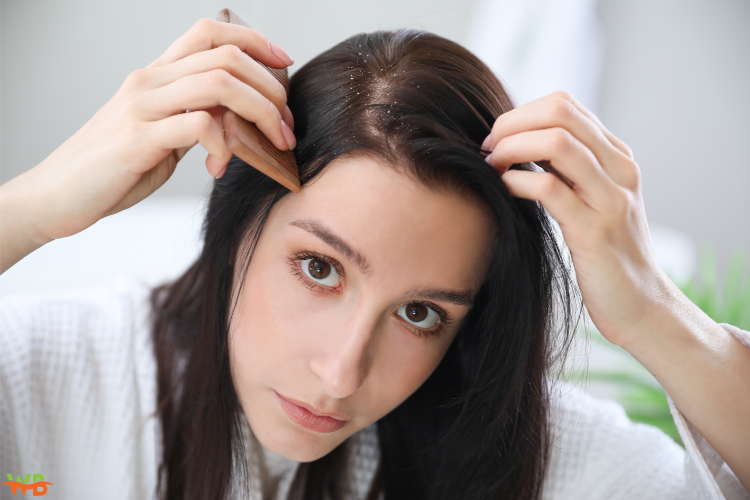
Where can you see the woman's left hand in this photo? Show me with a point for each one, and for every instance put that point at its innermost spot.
(632, 302)
(601, 215)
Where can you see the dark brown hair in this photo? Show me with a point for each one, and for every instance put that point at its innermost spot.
(477, 428)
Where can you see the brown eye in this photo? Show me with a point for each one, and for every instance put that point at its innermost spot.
(418, 314)
(319, 269)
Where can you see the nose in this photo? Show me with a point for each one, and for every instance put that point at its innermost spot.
(343, 362)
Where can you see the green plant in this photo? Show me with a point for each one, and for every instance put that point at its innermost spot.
(643, 399)
(727, 304)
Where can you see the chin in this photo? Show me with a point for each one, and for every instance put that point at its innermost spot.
(295, 444)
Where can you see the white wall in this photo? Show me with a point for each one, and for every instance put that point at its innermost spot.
(676, 88)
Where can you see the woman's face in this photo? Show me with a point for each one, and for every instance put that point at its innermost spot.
(356, 289)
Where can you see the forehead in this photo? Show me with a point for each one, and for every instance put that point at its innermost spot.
(401, 227)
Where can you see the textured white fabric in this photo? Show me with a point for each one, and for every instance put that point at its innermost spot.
(78, 394)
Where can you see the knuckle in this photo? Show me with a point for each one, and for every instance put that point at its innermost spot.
(258, 38)
(232, 54)
(620, 202)
(631, 174)
(560, 140)
(278, 94)
(204, 26)
(271, 113)
(563, 94)
(550, 186)
(561, 110)
(137, 78)
(500, 122)
(499, 125)
(201, 121)
(218, 78)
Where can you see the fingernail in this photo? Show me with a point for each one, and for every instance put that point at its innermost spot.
(288, 135)
(281, 54)
(487, 158)
(486, 143)
(288, 118)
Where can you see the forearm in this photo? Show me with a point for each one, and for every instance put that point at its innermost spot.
(706, 371)
(601, 214)
(18, 235)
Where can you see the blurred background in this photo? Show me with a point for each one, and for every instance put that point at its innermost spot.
(669, 77)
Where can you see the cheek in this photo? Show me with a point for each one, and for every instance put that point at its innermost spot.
(264, 325)
(278, 324)
(402, 366)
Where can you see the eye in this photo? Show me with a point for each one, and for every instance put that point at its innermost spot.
(320, 271)
(420, 315)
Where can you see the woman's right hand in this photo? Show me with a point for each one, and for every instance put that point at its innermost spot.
(132, 145)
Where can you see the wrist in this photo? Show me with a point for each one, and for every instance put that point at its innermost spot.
(673, 329)
(19, 234)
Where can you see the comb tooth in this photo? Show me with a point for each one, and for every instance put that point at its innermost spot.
(248, 143)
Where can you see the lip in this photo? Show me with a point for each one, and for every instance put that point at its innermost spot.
(308, 417)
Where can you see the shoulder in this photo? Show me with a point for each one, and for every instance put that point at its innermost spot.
(597, 452)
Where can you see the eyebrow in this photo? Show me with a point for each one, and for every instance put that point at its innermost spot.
(460, 298)
(321, 231)
(317, 228)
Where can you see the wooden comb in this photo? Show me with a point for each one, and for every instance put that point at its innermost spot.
(248, 143)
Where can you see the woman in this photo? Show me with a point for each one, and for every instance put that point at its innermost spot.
(394, 327)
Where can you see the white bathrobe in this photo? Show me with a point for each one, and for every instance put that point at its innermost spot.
(78, 390)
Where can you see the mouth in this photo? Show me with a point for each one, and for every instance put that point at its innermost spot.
(306, 416)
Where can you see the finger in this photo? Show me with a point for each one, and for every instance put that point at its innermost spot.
(566, 154)
(556, 111)
(624, 171)
(559, 200)
(228, 58)
(286, 115)
(615, 141)
(566, 97)
(215, 87)
(187, 129)
(208, 34)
